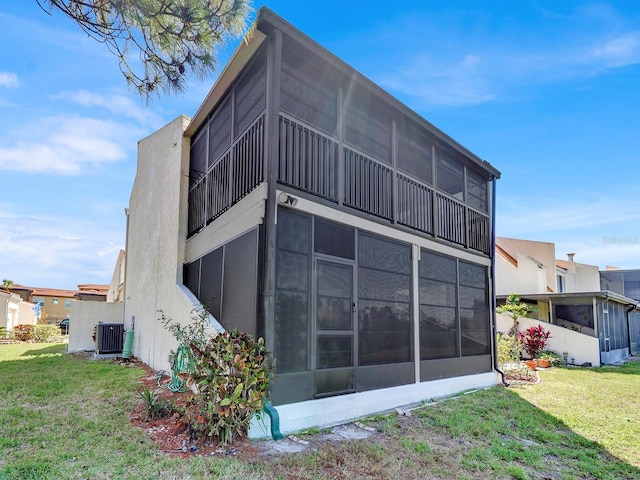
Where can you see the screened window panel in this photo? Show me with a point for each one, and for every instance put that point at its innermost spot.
(192, 277)
(291, 331)
(476, 190)
(220, 132)
(368, 124)
(198, 159)
(580, 314)
(334, 296)
(211, 281)
(384, 332)
(434, 292)
(335, 351)
(438, 267)
(293, 231)
(472, 297)
(309, 87)
(382, 254)
(381, 285)
(250, 94)
(334, 239)
(292, 271)
(449, 175)
(415, 155)
(474, 327)
(438, 332)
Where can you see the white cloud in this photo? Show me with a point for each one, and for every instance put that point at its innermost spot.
(66, 145)
(119, 104)
(9, 80)
(55, 252)
(618, 51)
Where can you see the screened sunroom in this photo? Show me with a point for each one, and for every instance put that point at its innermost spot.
(332, 220)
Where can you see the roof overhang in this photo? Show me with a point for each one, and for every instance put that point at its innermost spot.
(605, 295)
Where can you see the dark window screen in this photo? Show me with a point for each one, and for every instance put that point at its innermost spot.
(384, 301)
(474, 309)
(198, 159)
(368, 124)
(334, 239)
(449, 175)
(580, 314)
(220, 132)
(476, 190)
(309, 87)
(438, 306)
(211, 282)
(292, 291)
(250, 94)
(192, 277)
(415, 155)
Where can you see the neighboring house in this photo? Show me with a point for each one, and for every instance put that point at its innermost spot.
(15, 311)
(626, 283)
(306, 205)
(590, 323)
(56, 303)
(92, 292)
(115, 292)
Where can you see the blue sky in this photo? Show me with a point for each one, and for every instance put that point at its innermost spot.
(548, 92)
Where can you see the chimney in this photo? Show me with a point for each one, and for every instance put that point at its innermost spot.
(570, 256)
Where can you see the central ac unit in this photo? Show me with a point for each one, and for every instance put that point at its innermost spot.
(109, 337)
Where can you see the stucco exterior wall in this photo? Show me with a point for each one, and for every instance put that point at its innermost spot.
(581, 348)
(543, 252)
(84, 317)
(26, 315)
(528, 277)
(157, 227)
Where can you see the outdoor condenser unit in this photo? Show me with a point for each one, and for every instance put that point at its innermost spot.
(109, 337)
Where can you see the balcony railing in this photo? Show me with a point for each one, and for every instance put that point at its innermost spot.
(368, 185)
(232, 176)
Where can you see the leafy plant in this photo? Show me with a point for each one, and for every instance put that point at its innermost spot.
(44, 333)
(156, 406)
(508, 347)
(232, 373)
(534, 339)
(515, 309)
(23, 333)
(555, 360)
(3, 332)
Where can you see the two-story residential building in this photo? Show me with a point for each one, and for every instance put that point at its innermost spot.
(592, 323)
(55, 302)
(304, 204)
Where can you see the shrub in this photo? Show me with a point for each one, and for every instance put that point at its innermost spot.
(555, 360)
(44, 333)
(534, 339)
(508, 347)
(155, 406)
(231, 372)
(23, 333)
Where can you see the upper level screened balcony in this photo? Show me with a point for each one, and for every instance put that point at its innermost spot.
(343, 141)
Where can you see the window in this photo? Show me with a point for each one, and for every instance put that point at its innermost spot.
(384, 301)
(54, 301)
(415, 152)
(474, 311)
(334, 239)
(250, 94)
(67, 304)
(476, 191)
(449, 175)
(561, 286)
(368, 124)
(438, 312)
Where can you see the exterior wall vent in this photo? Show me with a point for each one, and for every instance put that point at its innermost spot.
(109, 337)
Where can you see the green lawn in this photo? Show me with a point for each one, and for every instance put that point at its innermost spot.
(66, 417)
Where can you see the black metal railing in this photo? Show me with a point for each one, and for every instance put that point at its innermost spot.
(368, 185)
(308, 160)
(415, 204)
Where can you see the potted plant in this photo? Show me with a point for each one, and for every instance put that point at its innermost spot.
(551, 357)
(534, 339)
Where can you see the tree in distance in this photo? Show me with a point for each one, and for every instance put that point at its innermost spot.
(168, 36)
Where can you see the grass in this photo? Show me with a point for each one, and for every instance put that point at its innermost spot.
(65, 417)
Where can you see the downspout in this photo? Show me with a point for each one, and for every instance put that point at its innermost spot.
(494, 330)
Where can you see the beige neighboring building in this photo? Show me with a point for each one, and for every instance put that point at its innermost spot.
(15, 311)
(56, 303)
(92, 292)
(116, 287)
(590, 324)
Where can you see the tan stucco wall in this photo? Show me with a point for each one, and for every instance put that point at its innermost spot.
(542, 252)
(157, 229)
(84, 317)
(528, 277)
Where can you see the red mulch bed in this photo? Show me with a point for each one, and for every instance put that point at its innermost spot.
(170, 435)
